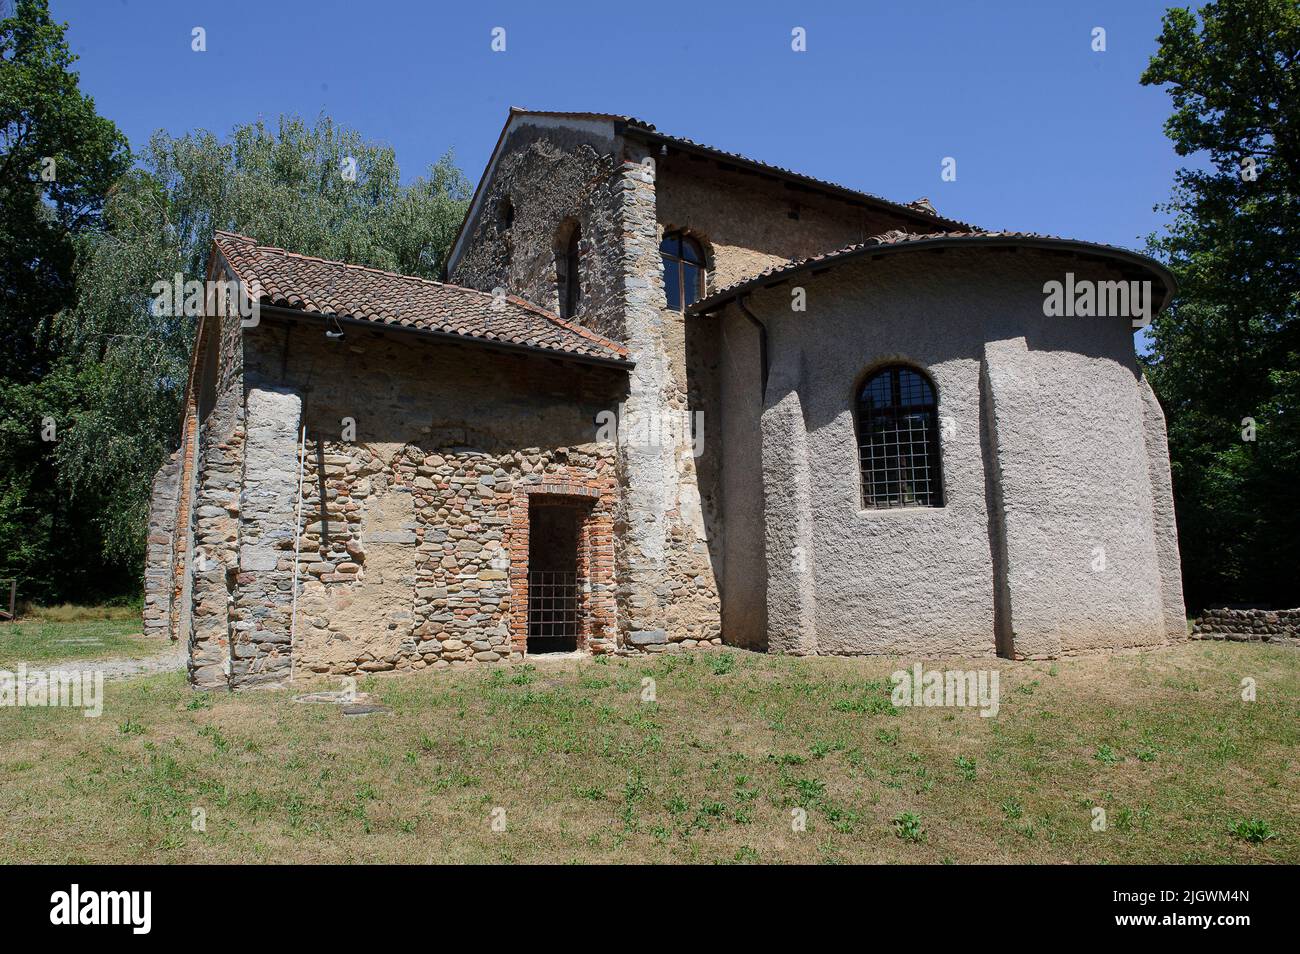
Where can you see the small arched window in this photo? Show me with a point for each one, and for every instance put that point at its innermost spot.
(683, 270)
(566, 273)
(898, 440)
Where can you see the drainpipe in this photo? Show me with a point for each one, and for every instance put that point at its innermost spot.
(762, 340)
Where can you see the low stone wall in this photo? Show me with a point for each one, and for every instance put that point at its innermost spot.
(158, 548)
(1243, 625)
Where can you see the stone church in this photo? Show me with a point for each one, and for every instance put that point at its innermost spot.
(671, 397)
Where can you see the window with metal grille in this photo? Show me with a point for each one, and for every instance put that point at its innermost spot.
(683, 270)
(898, 440)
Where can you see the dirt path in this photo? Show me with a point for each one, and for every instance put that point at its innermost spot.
(171, 661)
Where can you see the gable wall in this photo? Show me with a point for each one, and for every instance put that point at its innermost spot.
(551, 173)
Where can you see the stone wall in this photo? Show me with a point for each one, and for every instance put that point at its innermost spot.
(212, 565)
(1247, 625)
(552, 176)
(163, 502)
(418, 556)
(420, 459)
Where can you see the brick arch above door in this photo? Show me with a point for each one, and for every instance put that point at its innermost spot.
(597, 496)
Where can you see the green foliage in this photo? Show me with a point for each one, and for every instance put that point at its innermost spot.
(1254, 830)
(58, 159)
(72, 511)
(1228, 348)
(907, 825)
(1107, 755)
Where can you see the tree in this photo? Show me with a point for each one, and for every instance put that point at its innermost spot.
(319, 190)
(1225, 356)
(58, 159)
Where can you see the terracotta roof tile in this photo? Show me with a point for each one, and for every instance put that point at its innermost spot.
(274, 276)
(778, 273)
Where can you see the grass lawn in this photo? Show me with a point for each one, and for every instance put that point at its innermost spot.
(577, 768)
(42, 641)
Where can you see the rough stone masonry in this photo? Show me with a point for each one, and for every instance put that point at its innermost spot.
(371, 476)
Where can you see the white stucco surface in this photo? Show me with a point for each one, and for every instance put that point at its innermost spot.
(1055, 524)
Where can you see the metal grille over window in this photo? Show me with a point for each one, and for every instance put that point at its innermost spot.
(552, 605)
(683, 270)
(898, 441)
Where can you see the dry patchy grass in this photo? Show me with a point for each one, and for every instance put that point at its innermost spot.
(710, 772)
(40, 641)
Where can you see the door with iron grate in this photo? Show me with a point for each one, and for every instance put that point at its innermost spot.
(554, 586)
(552, 611)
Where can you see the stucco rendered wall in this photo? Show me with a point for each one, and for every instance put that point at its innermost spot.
(749, 223)
(744, 563)
(1045, 415)
(1162, 500)
(744, 224)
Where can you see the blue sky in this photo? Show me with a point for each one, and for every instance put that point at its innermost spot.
(1048, 135)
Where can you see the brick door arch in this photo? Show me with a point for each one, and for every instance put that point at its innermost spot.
(597, 628)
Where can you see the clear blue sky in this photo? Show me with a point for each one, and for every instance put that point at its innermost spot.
(1048, 135)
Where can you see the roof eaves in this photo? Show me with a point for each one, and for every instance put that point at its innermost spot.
(618, 353)
(883, 245)
(648, 131)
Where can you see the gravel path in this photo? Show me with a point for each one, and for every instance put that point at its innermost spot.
(171, 661)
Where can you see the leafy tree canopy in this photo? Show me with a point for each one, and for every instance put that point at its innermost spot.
(72, 512)
(58, 159)
(1225, 357)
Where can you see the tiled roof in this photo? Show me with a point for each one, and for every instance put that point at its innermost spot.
(273, 276)
(895, 239)
(640, 125)
(920, 209)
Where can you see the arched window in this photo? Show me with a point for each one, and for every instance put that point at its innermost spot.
(683, 270)
(898, 440)
(566, 274)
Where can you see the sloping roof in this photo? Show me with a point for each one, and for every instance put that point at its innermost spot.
(899, 241)
(624, 125)
(318, 286)
(911, 209)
